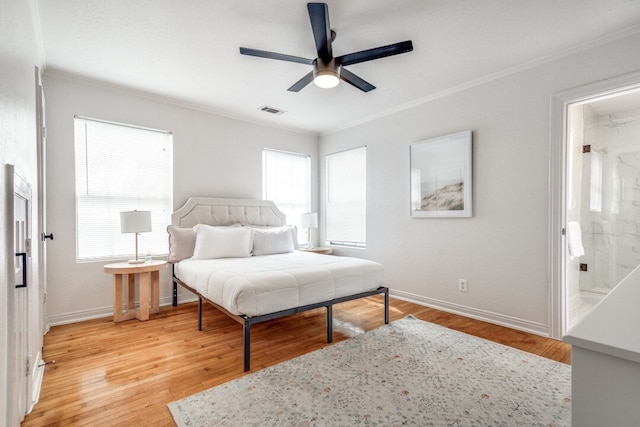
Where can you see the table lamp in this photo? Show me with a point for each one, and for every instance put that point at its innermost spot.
(309, 221)
(135, 222)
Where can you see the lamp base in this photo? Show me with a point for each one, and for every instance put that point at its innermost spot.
(136, 261)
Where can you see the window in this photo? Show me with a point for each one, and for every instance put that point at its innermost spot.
(286, 179)
(120, 168)
(346, 203)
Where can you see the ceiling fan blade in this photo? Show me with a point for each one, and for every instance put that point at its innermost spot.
(319, 16)
(274, 55)
(356, 81)
(297, 86)
(375, 53)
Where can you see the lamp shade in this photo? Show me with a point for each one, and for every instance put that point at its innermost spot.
(309, 220)
(135, 221)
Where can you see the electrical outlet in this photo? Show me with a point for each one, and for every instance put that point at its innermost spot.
(462, 285)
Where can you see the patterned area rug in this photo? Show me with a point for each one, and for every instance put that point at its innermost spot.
(409, 372)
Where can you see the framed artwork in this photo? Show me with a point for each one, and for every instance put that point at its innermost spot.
(441, 177)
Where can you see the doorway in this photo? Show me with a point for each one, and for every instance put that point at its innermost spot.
(595, 195)
(603, 198)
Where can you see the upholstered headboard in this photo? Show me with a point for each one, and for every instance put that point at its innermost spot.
(218, 212)
(214, 211)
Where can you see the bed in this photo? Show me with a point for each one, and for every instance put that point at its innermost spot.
(240, 256)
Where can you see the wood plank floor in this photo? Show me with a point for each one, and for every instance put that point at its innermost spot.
(108, 374)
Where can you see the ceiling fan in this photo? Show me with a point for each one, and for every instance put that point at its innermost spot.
(327, 70)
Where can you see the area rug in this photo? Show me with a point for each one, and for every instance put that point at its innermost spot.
(409, 372)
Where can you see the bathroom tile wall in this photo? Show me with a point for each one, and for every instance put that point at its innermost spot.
(610, 200)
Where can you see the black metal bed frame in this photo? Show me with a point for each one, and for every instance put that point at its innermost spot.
(247, 321)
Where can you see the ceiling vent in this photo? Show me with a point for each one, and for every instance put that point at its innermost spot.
(272, 110)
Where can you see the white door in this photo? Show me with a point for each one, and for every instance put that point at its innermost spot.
(19, 314)
(42, 199)
(38, 321)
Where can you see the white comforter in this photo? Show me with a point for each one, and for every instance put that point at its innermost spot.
(265, 284)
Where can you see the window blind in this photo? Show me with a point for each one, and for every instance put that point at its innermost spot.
(120, 168)
(287, 182)
(346, 197)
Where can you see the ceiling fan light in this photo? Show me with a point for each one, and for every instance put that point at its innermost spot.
(326, 75)
(326, 79)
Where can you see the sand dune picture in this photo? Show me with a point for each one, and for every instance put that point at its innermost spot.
(441, 176)
(447, 198)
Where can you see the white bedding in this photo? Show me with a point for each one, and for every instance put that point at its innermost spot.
(260, 285)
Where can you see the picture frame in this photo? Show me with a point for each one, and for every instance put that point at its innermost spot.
(441, 176)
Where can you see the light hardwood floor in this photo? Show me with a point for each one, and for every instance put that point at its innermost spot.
(108, 374)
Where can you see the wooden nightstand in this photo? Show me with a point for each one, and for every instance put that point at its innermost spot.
(318, 250)
(149, 283)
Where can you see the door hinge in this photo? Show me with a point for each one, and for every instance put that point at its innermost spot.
(28, 245)
(564, 231)
(28, 365)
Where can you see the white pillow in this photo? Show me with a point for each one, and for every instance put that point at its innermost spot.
(273, 241)
(222, 242)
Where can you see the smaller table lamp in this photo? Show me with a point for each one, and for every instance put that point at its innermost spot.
(309, 221)
(135, 222)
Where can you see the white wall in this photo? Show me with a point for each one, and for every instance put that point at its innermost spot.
(503, 251)
(213, 156)
(18, 59)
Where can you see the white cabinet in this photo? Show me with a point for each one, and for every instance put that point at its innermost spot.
(605, 365)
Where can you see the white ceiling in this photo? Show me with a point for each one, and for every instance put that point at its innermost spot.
(187, 50)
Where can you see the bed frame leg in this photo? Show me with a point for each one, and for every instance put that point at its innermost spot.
(247, 345)
(199, 313)
(175, 286)
(330, 323)
(175, 294)
(386, 306)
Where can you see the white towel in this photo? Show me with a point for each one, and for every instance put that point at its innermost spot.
(574, 238)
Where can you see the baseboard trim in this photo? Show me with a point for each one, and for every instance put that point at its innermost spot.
(474, 313)
(107, 311)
